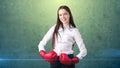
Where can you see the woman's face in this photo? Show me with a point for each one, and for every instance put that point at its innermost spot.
(64, 16)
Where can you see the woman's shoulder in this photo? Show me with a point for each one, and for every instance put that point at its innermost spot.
(53, 26)
(75, 29)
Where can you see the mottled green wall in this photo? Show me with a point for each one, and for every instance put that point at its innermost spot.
(23, 23)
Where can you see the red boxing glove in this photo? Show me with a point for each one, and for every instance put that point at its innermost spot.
(64, 59)
(42, 53)
(75, 60)
(50, 57)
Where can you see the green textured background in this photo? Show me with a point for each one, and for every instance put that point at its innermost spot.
(23, 23)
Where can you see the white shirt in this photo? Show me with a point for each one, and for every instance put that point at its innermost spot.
(64, 43)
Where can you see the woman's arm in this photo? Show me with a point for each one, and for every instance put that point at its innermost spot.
(80, 43)
(46, 38)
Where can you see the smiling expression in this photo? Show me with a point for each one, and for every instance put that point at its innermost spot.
(64, 16)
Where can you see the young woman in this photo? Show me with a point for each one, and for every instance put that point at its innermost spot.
(63, 34)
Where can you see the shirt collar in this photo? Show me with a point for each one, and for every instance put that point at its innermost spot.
(69, 27)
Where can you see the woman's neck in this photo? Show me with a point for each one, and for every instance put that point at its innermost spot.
(65, 25)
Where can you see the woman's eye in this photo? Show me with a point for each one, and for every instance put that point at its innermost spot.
(60, 14)
(65, 13)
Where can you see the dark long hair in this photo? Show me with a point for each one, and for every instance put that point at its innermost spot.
(58, 23)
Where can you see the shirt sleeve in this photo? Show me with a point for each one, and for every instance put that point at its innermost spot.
(46, 38)
(79, 41)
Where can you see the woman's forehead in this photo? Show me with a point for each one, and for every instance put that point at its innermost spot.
(62, 11)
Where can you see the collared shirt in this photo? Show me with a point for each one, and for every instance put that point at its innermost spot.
(65, 40)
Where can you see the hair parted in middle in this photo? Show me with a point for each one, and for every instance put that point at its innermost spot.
(59, 23)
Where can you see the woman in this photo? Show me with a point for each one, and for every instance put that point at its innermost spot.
(63, 34)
